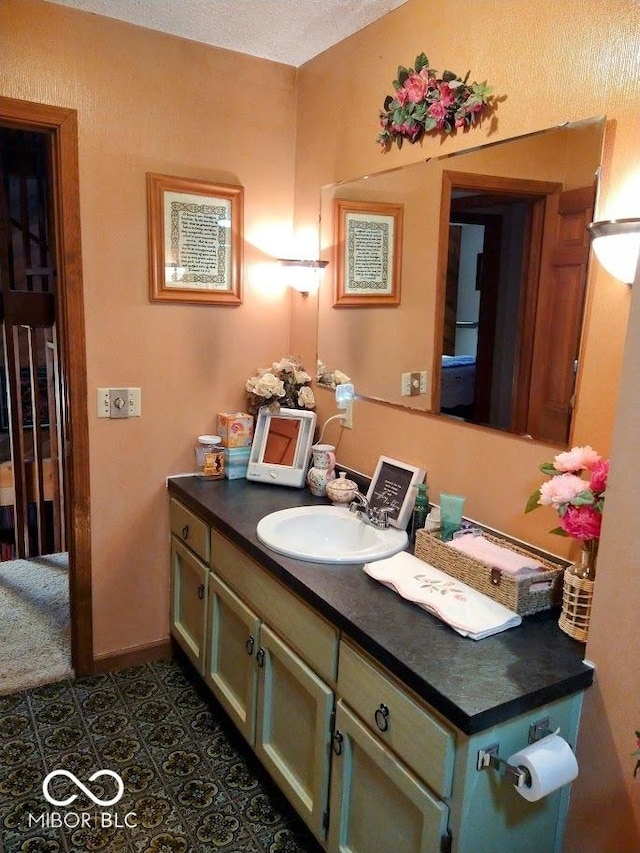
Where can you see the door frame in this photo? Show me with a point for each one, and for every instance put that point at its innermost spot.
(62, 125)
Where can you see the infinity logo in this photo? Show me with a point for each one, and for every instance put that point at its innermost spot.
(83, 788)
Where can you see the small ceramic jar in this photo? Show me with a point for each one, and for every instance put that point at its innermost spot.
(341, 490)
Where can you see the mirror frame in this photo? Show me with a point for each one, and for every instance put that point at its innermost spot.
(282, 475)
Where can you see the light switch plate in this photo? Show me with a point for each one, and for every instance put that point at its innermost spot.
(119, 402)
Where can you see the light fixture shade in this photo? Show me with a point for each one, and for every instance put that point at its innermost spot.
(616, 243)
(304, 275)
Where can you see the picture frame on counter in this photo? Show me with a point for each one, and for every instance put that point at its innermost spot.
(394, 486)
(196, 235)
(368, 253)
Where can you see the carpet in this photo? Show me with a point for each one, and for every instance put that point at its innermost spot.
(34, 622)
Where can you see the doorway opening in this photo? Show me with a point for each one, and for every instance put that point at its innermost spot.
(513, 298)
(44, 351)
(31, 414)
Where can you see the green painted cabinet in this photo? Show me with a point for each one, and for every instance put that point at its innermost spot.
(367, 764)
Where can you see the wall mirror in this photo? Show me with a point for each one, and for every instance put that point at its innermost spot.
(494, 269)
(281, 446)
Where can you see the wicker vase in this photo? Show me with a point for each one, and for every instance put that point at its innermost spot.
(577, 593)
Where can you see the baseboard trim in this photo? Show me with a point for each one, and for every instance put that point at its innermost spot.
(132, 657)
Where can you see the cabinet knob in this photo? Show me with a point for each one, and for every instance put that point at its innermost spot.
(249, 645)
(260, 656)
(382, 717)
(336, 742)
(185, 531)
(201, 591)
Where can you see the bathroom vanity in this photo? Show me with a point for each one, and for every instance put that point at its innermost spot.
(368, 712)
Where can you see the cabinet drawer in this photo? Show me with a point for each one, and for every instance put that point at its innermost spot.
(416, 737)
(191, 530)
(315, 640)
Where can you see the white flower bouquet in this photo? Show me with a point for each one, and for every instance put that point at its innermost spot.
(285, 384)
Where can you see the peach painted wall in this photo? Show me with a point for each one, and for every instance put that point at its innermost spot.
(554, 61)
(150, 102)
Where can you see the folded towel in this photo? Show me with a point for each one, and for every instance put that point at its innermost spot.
(466, 610)
(494, 555)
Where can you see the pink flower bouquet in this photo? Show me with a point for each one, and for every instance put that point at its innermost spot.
(576, 491)
(423, 103)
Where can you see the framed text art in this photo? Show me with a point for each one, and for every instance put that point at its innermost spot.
(393, 487)
(368, 253)
(195, 240)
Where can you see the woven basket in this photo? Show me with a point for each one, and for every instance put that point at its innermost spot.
(577, 597)
(523, 593)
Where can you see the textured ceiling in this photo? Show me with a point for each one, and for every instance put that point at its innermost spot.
(288, 31)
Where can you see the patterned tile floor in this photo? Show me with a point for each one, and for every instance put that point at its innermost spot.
(188, 776)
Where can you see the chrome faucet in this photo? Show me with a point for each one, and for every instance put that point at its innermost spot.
(376, 516)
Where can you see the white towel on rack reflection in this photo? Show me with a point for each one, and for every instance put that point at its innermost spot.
(466, 610)
(494, 555)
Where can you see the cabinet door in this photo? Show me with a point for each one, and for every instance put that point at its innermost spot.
(377, 805)
(294, 729)
(188, 601)
(230, 666)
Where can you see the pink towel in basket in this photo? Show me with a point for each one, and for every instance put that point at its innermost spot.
(494, 555)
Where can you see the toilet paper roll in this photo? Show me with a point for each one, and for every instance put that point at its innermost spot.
(551, 764)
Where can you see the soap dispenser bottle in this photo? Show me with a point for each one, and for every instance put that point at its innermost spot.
(420, 510)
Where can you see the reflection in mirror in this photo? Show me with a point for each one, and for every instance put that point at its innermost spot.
(280, 447)
(494, 263)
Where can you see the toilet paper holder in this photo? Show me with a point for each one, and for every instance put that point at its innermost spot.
(518, 776)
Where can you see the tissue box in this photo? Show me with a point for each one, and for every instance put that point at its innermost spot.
(235, 429)
(525, 593)
(236, 460)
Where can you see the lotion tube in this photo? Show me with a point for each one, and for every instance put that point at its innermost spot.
(451, 507)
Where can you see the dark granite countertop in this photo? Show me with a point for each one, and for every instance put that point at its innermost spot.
(474, 684)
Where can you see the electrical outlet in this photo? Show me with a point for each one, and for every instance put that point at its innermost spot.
(347, 417)
(423, 381)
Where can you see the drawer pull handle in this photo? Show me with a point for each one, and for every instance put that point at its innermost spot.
(336, 742)
(382, 717)
(185, 531)
(260, 656)
(249, 645)
(201, 591)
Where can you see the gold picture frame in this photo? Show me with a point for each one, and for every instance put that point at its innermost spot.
(367, 253)
(195, 240)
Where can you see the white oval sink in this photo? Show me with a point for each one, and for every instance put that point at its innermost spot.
(328, 534)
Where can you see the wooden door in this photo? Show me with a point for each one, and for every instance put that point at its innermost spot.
(230, 665)
(561, 293)
(294, 729)
(377, 805)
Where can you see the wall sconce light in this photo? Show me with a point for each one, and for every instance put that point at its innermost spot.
(616, 243)
(303, 276)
